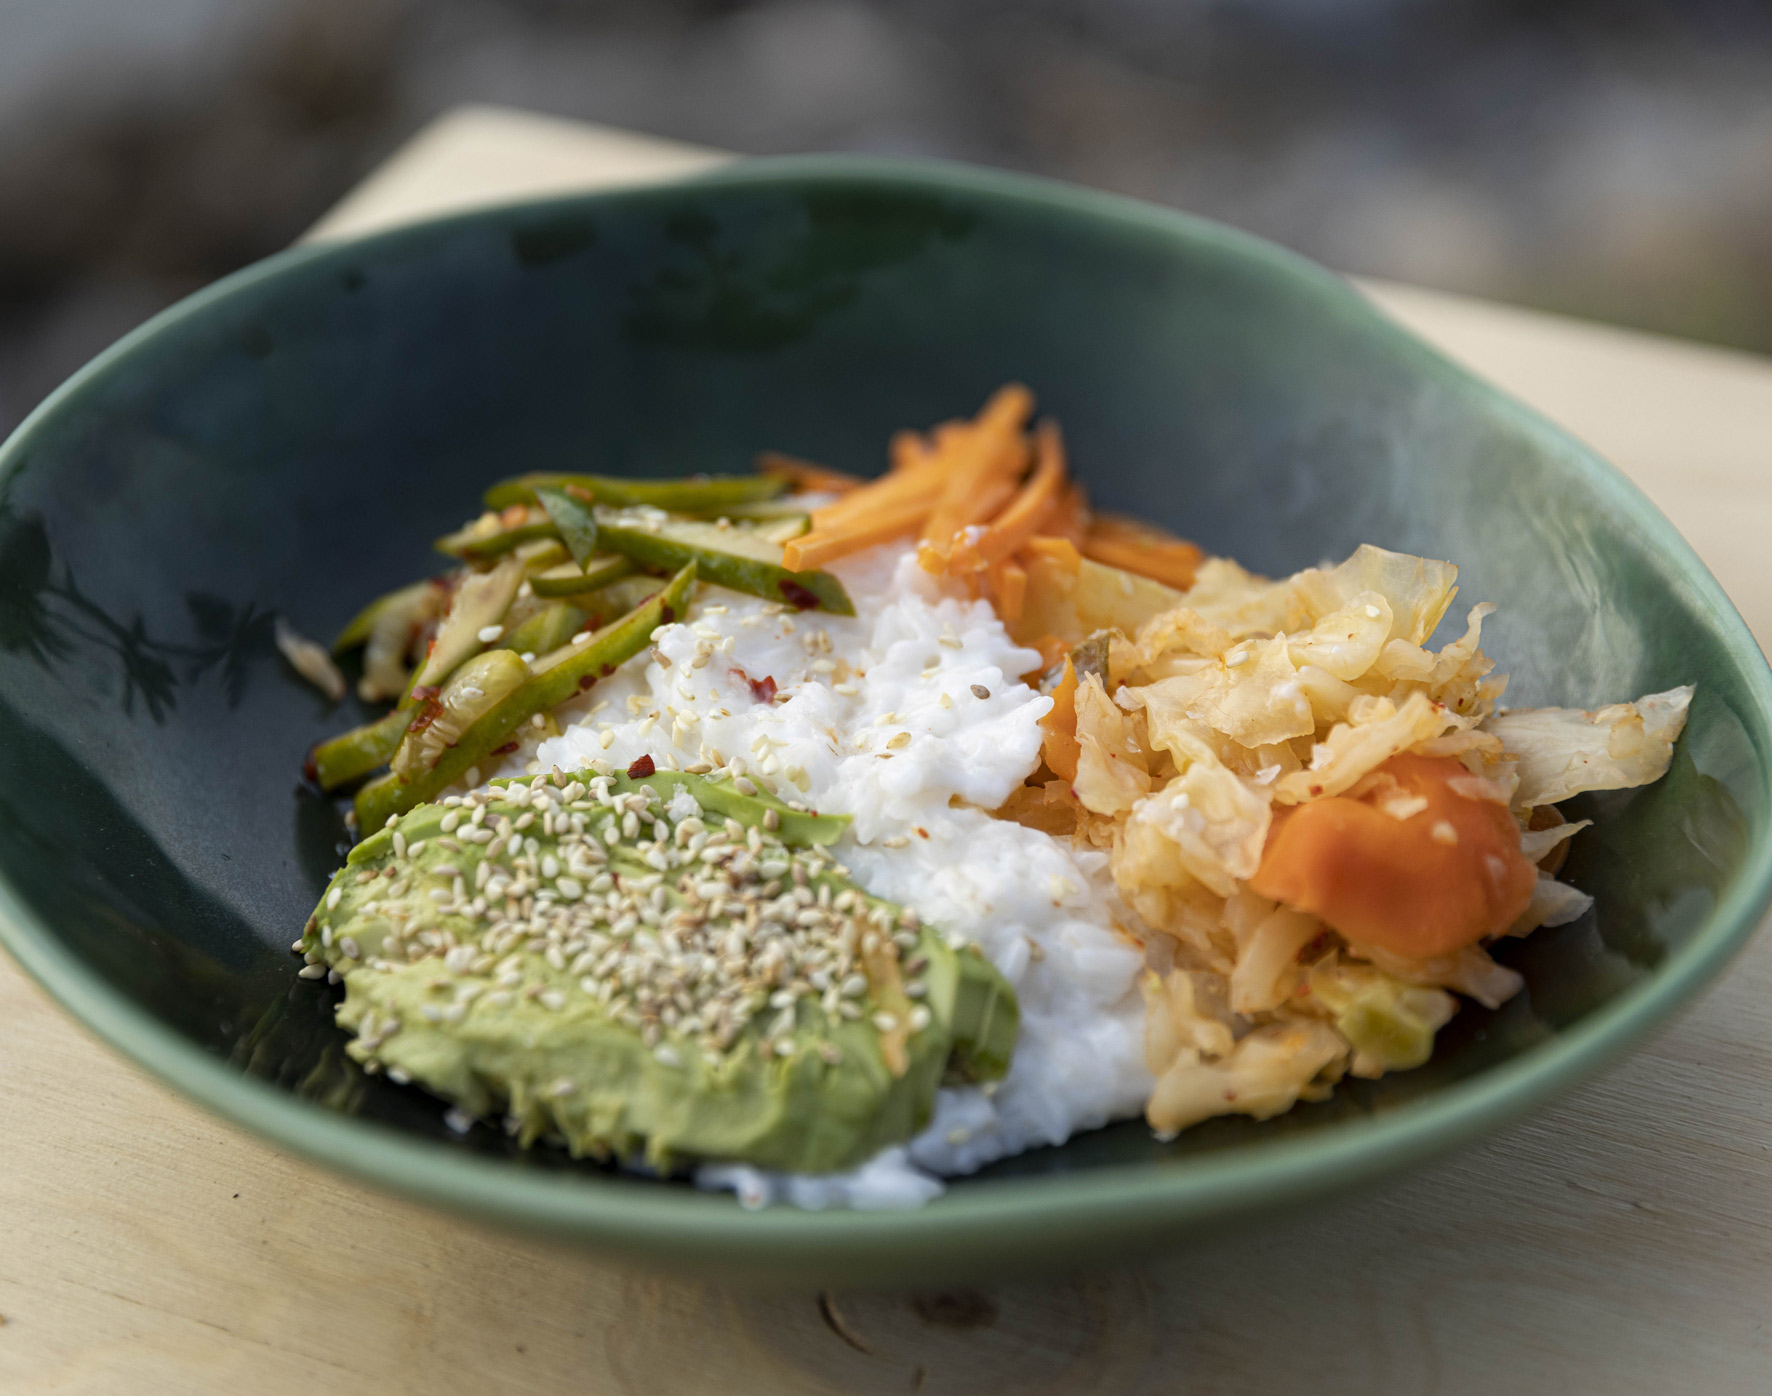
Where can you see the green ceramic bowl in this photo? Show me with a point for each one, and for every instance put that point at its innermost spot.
(291, 439)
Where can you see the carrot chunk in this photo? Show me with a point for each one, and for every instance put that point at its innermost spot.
(1384, 869)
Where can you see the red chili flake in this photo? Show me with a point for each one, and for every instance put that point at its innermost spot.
(581, 492)
(796, 595)
(642, 767)
(506, 749)
(514, 515)
(667, 613)
(607, 670)
(921, 831)
(763, 689)
(310, 770)
(429, 709)
(586, 680)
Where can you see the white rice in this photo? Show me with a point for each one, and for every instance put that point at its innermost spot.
(1040, 909)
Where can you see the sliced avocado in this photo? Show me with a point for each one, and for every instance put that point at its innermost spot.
(529, 973)
(732, 557)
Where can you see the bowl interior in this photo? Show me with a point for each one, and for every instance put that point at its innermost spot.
(292, 440)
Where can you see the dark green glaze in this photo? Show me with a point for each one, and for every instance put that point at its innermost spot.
(256, 449)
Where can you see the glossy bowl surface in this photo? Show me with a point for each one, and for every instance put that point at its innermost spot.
(291, 439)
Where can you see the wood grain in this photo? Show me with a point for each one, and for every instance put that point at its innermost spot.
(1620, 1242)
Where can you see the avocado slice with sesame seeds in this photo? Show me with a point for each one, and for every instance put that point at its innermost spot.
(643, 969)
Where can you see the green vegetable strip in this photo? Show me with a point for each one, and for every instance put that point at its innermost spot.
(357, 632)
(571, 580)
(771, 581)
(546, 630)
(698, 494)
(354, 754)
(577, 525)
(557, 677)
(472, 546)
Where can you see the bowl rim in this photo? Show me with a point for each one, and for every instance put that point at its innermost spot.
(1126, 1203)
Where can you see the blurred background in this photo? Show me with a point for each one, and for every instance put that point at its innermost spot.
(1607, 158)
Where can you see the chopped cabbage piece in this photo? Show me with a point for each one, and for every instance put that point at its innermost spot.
(1389, 1024)
(1564, 751)
(1266, 1073)
(1376, 730)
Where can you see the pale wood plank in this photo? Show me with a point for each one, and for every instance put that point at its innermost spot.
(1617, 1243)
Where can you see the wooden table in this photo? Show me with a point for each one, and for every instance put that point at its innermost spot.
(1620, 1242)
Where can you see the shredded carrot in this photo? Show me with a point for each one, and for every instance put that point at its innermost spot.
(1070, 517)
(992, 496)
(1135, 546)
(991, 447)
(1025, 513)
(1059, 550)
(804, 474)
(923, 484)
(1060, 746)
(1173, 564)
(1009, 588)
(822, 546)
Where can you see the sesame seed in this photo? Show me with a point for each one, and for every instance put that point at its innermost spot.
(980, 691)
(312, 971)
(488, 633)
(337, 894)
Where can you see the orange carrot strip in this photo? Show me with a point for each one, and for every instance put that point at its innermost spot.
(908, 449)
(992, 496)
(1172, 563)
(805, 474)
(1009, 588)
(820, 546)
(1070, 517)
(923, 484)
(1024, 514)
(1059, 550)
(990, 447)
(1060, 746)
